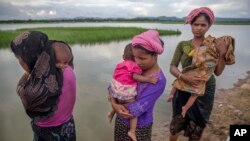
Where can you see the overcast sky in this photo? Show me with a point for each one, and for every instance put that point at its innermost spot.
(46, 9)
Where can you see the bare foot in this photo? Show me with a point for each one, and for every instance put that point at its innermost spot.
(132, 135)
(183, 111)
(170, 97)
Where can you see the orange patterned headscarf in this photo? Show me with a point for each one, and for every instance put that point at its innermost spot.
(197, 11)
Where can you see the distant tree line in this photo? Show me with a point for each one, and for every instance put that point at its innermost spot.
(137, 19)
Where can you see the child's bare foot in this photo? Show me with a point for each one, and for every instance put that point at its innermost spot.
(132, 135)
(170, 98)
(183, 111)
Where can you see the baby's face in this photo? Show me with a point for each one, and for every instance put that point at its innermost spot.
(62, 59)
(219, 41)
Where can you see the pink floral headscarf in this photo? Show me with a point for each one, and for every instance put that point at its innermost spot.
(150, 40)
(197, 11)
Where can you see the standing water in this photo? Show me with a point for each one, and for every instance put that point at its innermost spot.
(94, 66)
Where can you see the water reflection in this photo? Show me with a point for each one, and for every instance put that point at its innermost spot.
(94, 66)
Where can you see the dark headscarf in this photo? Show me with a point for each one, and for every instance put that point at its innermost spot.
(40, 93)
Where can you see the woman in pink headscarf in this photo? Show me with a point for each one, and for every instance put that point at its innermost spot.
(145, 48)
(198, 115)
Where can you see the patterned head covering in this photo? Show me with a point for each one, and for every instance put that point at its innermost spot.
(197, 11)
(149, 40)
(230, 57)
(41, 91)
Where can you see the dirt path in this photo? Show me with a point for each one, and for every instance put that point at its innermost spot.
(231, 106)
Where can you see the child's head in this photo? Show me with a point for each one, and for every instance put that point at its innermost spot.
(217, 42)
(63, 54)
(128, 54)
(227, 40)
(230, 44)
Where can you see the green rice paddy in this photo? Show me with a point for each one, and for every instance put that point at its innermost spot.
(82, 35)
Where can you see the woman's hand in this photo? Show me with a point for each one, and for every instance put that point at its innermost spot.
(190, 79)
(121, 110)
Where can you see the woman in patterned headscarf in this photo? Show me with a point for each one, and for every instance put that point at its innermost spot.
(198, 115)
(42, 88)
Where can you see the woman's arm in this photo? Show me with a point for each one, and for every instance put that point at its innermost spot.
(147, 98)
(220, 66)
(119, 108)
(175, 71)
(192, 80)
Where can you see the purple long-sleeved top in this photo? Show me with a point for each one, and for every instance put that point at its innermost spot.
(147, 96)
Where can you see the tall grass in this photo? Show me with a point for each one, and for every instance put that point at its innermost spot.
(82, 35)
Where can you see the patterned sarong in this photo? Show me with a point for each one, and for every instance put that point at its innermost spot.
(121, 132)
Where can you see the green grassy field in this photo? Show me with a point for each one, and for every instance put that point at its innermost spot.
(82, 35)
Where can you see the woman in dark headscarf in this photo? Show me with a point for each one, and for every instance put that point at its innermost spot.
(47, 102)
(198, 115)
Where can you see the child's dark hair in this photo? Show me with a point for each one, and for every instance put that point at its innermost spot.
(128, 54)
(56, 41)
(200, 15)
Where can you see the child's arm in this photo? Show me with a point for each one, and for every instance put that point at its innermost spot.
(141, 78)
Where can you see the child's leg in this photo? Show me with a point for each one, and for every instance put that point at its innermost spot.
(111, 115)
(189, 103)
(131, 132)
(171, 95)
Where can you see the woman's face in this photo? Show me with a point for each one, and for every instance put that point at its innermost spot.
(144, 60)
(23, 64)
(200, 26)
